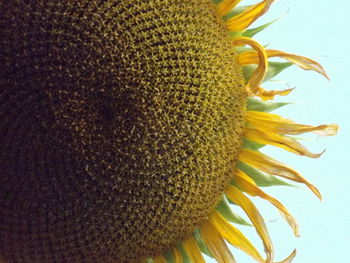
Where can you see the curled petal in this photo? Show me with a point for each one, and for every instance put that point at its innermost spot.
(302, 62)
(271, 166)
(253, 87)
(253, 84)
(252, 57)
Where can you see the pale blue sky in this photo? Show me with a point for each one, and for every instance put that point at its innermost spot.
(319, 30)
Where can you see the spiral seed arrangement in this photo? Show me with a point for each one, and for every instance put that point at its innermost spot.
(119, 130)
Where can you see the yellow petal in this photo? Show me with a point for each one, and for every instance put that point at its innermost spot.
(284, 142)
(177, 255)
(302, 62)
(247, 17)
(270, 94)
(253, 84)
(268, 165)
(191, 247)
(274, 123)
(252, 57)
(226, 6)
(234, 236)
(216, 244)
(252, 212)
(246, 184)
(253, 87)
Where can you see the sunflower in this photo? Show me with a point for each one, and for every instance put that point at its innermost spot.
(131, 131)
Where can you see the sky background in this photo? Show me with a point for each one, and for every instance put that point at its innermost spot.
(319, 30)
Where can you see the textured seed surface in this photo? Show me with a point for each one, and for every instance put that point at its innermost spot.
(120, 125)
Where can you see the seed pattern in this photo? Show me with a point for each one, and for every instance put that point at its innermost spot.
(121, 123)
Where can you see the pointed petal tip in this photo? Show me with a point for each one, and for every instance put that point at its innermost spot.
(320, 154)
(315, 191)
(315, 155)
(323, 72)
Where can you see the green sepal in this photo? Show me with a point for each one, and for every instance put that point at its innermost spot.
(235, 34)
(225, 210)
(201, 244)
(253, 31)
(275, 68)
(247, 144)
(148, 260)
(261, 179)
(169, 257)
(248, 70)
(185, 257)
(254, 104)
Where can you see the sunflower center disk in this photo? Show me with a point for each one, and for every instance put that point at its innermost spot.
(121, 126)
